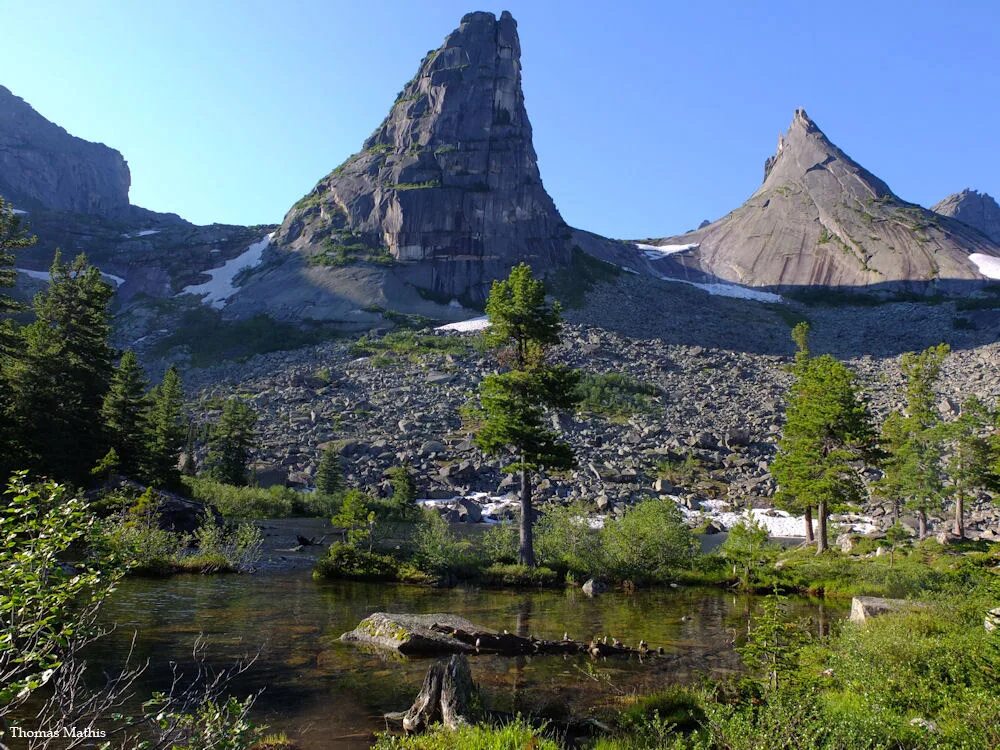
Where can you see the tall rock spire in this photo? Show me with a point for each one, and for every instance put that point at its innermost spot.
(447, 188)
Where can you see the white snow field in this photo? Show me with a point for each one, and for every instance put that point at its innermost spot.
(45, 276)
(654, 252)
(217, 290)
(466, 326)
(988, 265)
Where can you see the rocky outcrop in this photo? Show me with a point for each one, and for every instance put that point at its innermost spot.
(863, 608)
(445, 195)
(821, 219)
(43, 166)
(978, 210)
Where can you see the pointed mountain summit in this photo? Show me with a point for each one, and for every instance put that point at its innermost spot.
(978, 210)
(821, 219)
(445, 196)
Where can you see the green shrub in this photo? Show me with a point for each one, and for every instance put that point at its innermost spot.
(343, 561)
(614, 395)
(500, 544)
(564, 541)
(436, 550)
(648, 544)
(233, 501)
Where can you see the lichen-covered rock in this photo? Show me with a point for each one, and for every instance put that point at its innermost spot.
(412, 634)
(821, 219)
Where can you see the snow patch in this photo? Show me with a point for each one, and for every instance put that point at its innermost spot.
(777, 522)
(988, 265)
(655, 252)
(46, 276)
(735, 291)
(491, 506)
(18, 212)
(466, 326)
(217, 291)
(626, 269)
(141, 233)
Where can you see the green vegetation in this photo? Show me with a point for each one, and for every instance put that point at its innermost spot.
(517, 735)
(571, 285)
(523, 328)
(209, 339)
(614, 395)
(411, 345)
(229, 442)
(235, 501)
(417, 185)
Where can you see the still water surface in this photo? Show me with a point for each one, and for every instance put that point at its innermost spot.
(330, 695)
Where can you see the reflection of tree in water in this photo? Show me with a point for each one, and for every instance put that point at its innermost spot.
(525, 607)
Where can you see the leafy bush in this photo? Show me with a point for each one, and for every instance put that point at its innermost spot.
(411, 345)
(438, 551)
(747, 549)
(233, 501)
(647, 544)
(500, 543)
(564, 541)
(347, 562)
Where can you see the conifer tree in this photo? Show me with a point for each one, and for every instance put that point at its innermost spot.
(914, 442)
(827, 433)
(167, 431)
(230, 441)
(124, 412)
(330, 473)
(12, 237)
(59, 380)
(523, 327)
(968, 463)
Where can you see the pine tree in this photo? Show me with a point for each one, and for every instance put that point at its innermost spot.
(913, 441)
(523, 327)
(330, 473)
(230, 441)
(827, 433)
(59, 380)
(968, 464)
(12, 237)
(124, 413)
(404, 493)
(167, 431)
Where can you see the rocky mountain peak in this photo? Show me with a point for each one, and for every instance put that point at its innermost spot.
(821, 219)
(447, 189)
(978, 210)
(43, 166)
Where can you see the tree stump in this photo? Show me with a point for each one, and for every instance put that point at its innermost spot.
(445, 696)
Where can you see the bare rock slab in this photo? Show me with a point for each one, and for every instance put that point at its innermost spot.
(413, 634)
(863, 608)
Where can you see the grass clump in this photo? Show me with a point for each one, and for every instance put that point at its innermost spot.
(348, 562)
(411, 345)
(233, 501)
(521, 576)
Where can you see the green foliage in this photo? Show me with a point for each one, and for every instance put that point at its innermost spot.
(499, 544)
(345, 561)
(402, 505)
(44, 607)
(253, 502)
(772, 643)
(330, 472)
(827, 431)
(167, 431)
(648, 543)
(520, 576)
(436, 549)
(61, 374)
(614, 395)
(417, 185)
(125, 412)
(345, 249)
(517, 735)
(968, 465)
(747, 550)
(229, 442)
(411, 345)
(215, 724)
(572, 284)
(565, 541)
(357, 518)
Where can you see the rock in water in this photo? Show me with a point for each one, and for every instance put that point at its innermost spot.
(821, 219)
(412, 634)
(444, 196)
(43, 166)
(978, 210)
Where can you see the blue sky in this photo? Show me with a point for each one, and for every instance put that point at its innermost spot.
(648, 116)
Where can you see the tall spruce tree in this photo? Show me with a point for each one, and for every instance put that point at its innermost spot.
(167, 431)
(59, 380)
(124, 412)
(968, 463)
(330, 473)
(230, 441)
(523, 328)
(827, 434)
(913, 473)
(13, 237)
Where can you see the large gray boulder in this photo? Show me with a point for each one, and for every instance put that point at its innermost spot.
(821, 219)
(412, 634)
(863, 608)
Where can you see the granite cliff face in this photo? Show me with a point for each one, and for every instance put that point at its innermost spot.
(447, 189)
(43, 166)
(978, 210)
(820, 218)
